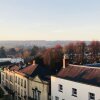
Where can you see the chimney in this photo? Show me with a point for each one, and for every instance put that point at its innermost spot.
(34, 62)
(65, 61)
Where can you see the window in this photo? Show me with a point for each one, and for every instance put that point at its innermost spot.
(2, 77)
(91, 96)
(24, 93)
(36, 94)
(56, 98)
(24, 83)
(6, 83)
(6, 75)
(18, 80)
(15, 87)
(60, 88)
(74, 92)
(21, 92)
(18, 90)
(21, 82)
(11, 78)
(11, 86)
(2, 82)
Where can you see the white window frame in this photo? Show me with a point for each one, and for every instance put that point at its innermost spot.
(60, 87)
(93, 97)
(74, 92)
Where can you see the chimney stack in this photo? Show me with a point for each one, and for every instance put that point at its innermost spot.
(65, 61)
(34, 62)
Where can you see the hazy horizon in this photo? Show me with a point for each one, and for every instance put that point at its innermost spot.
(51, 40)
(50, 20)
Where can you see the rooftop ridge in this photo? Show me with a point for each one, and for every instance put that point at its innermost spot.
(84, 66)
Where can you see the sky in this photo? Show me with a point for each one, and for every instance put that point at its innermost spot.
(50, 20)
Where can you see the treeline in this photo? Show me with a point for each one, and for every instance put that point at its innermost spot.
(78, 52)
(81, 53)
(20, 52)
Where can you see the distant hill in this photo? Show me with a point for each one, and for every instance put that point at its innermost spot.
(10, 44)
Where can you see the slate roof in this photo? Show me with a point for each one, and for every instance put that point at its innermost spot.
(14, 68)
(93, 65)
(33, 70)
(84, 74)
(28, 70)
(5, 63)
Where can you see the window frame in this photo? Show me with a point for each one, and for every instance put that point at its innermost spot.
(24, 83)
(90, 93)
(18, 80)
(6, 76)
(21, 82)
(60, 87)
(3, 77)
(56, 98)
(74, 92)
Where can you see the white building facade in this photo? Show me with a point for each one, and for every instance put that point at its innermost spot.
(76, 82)
(62, 89)
(22, 85)
(16, 83)
(38, 89)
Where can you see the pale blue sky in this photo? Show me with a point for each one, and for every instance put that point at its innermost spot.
(49, 19)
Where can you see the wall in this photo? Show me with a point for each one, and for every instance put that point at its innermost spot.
(41, 86)
(82, 90)
(8, 79)
(20, 89)
(30, 84)
(13, 85)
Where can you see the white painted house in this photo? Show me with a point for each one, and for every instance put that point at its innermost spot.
(75, 82)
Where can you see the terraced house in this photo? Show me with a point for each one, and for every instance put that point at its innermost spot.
(26, 82)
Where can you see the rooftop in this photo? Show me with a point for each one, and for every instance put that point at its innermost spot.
(93, 65)
(84, 74)
(29, 69)
(14, 68)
